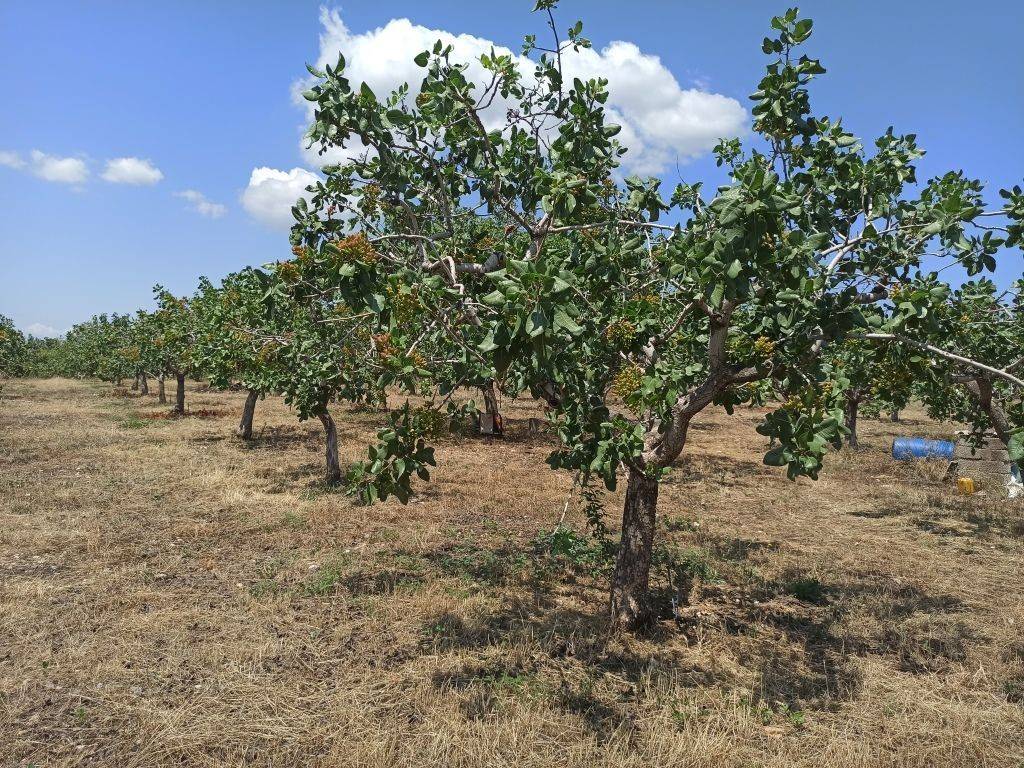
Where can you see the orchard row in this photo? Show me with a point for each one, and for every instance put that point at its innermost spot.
(473, 230)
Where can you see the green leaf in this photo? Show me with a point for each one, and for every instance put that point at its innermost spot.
(422, 58)
(488, 345)
(1015, 446)
(563, 321)
(776, 457)
(717, 294)
(536, 323)
(494, 299)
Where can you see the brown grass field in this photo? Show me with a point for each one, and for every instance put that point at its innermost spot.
(170, 596)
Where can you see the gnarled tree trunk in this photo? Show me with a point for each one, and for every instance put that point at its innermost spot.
(630, 598)
(244, 430)
(161, 389)
(143, 384)
(894, 416)
(179, 396)
(135, 384)
(333, 466)
(631, 604)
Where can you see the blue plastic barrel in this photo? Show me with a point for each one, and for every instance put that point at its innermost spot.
(918, 448)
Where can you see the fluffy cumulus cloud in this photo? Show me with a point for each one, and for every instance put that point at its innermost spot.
(41, 330)
(662, 122)
(131, 170)
(197, 202)
(271, 193)
(63, 170)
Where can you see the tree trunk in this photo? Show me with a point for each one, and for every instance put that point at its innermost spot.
(630, 600)
(161, 389)
(894, 417)
(490, 396)
(244, 430)
(179, 396)
(143, 384)
(135, 384)
(852, 406)
(981, 390)
(333, 467)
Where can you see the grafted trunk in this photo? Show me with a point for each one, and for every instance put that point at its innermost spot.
(852, 406)
(630, 599)
(161, 389)
(244, 430)
(333, 466)
(179, 396)
(143, 383)
(491, 414)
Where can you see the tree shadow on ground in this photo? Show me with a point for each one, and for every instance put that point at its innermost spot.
(715, 468)
(795, 639)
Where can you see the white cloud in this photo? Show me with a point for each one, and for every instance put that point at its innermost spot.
(11, 159)
(132, 170)
(201, 205)
(272, 193)
(662, 122)
(40, 330)
(64, 170)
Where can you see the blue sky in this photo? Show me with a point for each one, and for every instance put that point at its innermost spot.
(196, 95)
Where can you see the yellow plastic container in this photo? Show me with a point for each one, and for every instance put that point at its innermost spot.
(965, 485)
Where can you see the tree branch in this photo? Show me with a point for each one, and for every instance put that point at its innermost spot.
(998, 373)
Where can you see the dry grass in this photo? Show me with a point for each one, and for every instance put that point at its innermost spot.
(172, 596)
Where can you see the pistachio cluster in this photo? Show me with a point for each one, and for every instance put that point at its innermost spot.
(620, 332)
(354, 248)
(628, 381)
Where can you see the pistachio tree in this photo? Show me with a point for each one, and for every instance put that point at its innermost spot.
(977, 377)
(175, 340)
(237, 324)
(628, 311)
(877, 377)
(95, 348)
(311, 345)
